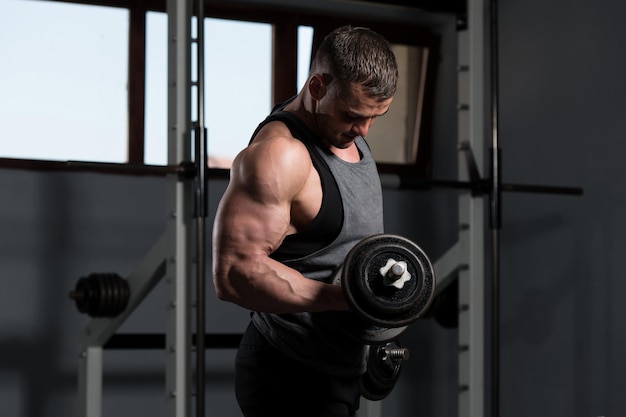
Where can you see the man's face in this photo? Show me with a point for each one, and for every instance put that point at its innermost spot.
(344, 114)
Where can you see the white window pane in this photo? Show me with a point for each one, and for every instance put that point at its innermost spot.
(305, 45)
(238, 84)
(63, 81)
(156, 89)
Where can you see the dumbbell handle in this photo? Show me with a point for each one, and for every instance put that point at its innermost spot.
(394, 273)
(397, 354)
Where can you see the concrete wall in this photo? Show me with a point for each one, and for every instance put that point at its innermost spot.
(563, 106)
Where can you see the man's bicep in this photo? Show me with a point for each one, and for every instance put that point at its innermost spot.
(256, 209)
(245, 234)
(248, 224)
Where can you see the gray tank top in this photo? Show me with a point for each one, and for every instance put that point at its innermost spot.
(314, 337)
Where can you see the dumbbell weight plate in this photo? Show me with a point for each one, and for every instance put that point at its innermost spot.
(354, 326)
(380, 304)
(101, 295)
(382, 372)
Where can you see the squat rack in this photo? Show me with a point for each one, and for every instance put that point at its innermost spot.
(170, 257)
(465, 261)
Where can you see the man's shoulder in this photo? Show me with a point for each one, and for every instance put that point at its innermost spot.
(276, 137)
(274, 153)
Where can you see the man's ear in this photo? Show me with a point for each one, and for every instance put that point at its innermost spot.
(317, 87)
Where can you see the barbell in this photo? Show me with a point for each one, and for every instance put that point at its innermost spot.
(101, 295)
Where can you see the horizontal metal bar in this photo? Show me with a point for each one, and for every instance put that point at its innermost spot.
(541, 189)
(185, 169)
(157, 341)
(388, 180)
(481, 186)
(102, 167)
(126, 169)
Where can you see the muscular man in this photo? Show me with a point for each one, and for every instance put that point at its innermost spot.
(301, 195)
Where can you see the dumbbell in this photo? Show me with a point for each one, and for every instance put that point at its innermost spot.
(389, 283)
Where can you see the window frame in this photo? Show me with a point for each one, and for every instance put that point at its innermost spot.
(285, 25)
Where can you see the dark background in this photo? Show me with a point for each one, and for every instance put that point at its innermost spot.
(562, 110)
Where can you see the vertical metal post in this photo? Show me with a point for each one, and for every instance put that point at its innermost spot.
(90, 382)
(495, 213)
(179, 207)
(201, 213)
(471, 218)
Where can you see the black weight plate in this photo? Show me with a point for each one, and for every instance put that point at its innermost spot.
(382, 373)
(101, 295)
(119, 295)
(117, 302)
(362, 282)
(111, 301)
(371, 287)
(101, 309)
(353, 325)
(372, 390)
(372, 334)
(124, 295)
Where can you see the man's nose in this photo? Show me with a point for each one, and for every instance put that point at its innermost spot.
(362, 127)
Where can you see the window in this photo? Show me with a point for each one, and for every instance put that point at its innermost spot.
(63, 86)
(305, 47)
(156, 89)
(395, 137)
(237, 84)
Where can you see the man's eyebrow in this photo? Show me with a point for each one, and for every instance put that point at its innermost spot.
(365, 116)
(385, 112)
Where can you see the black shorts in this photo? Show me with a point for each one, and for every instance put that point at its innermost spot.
(269, 383)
